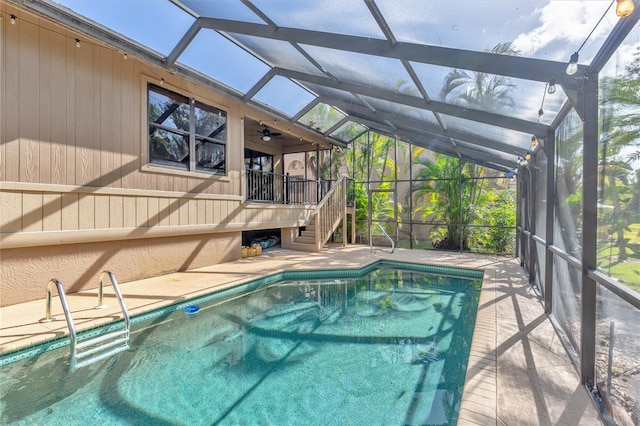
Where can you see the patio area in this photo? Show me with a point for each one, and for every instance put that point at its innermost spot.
(518, 372)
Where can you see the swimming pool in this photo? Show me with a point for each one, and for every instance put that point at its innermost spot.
(389, 346)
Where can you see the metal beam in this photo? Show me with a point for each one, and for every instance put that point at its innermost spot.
(484, 117)
(182, 44)
(511, 66)
(259, 85)
(468, 153)
(428, 128)
(450, 152)
(617, 36)
(589, 231)
(550, 151)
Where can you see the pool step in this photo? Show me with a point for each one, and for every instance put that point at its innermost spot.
(101, 356)
(101, 347)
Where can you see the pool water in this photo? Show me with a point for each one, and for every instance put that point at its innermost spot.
(390, 347)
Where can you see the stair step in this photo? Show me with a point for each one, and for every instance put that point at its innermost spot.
(307, 234)
(95, 340)
(97, 349)
(101, 357)
(306, 240)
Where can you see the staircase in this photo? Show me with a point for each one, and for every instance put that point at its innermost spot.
(324, 220)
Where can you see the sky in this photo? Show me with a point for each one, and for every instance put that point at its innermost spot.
(541, 29)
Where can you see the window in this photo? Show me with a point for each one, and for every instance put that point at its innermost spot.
(255, 160)
(185, 134)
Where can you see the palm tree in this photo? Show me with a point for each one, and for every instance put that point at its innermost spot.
(443, 196)
(620, 112)
(479, 90)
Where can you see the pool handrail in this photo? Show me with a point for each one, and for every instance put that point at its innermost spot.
(116, 289)
(393, 245)
(65, 308)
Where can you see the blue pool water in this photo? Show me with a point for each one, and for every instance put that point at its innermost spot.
(386, 348)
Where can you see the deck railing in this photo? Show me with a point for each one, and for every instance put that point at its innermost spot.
(275, 188)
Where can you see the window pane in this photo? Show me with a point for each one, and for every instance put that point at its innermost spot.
(209, 156)
(169, 149)
(168, 109)
(210, 122)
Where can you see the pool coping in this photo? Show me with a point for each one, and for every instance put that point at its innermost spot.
(479, 398)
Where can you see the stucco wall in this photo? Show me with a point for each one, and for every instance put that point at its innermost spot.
(26, 271)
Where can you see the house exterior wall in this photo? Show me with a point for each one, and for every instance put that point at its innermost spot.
(76, 193)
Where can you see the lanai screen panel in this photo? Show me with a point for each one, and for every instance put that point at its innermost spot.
(367, 70)
(550, 30)
(508, 96)
(159, 27)
(332, 16)
(284, 95)
(278, 53)
(230, 65)
(512, 137)
(225, 9)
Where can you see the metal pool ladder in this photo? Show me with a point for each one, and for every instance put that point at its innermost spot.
(97, 348)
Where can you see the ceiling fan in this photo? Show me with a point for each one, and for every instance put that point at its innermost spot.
(268, 134)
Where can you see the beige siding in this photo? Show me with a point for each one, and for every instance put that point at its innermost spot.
(75, 116)
(75, 187)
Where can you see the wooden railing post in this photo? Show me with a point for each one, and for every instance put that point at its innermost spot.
(318, 233)
(344, 213)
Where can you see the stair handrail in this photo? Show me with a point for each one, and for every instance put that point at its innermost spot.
(329, 211)
(327, 196)
(116, 289)
(65, 308)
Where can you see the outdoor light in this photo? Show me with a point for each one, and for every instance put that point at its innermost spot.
(540, 112)
(534, 141)
(77, 42)
(624, 8)
(161, 81)
(126, 56)
(552, 87)
(266, 138)
(13, 19)
(572, 66)
(527, 157)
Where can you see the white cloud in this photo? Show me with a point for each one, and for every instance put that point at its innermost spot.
(563, 26)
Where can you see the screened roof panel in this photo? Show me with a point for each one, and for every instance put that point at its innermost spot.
(333, 16)
(224, 9)
(541, 29)
(215, 56)
(284, 95)
(341, 96)
(510, 137)
(510, 96)
(492, 153)
(348, 131)
(322, 117)
(278, 53)
(364, 69)
(352, 55)
(159, 27)
(403, 110)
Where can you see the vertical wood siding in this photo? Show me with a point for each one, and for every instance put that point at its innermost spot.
(72, 125)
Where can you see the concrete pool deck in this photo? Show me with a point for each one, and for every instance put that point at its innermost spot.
(518, 372)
